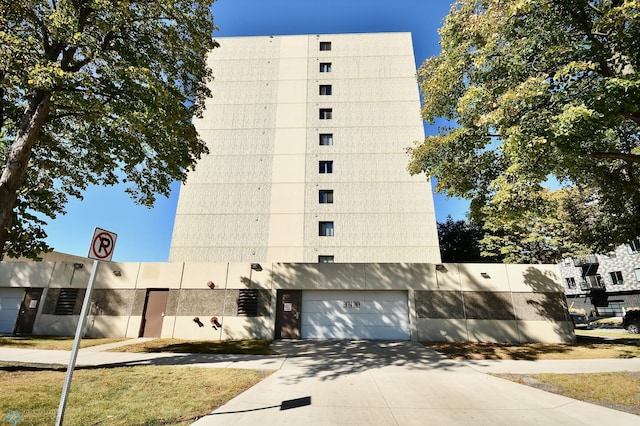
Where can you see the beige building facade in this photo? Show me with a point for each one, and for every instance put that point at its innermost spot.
(222, 301)
(308, 163)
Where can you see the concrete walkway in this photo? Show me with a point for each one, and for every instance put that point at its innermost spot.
(97, 356)
(383, 383)
(373, 383)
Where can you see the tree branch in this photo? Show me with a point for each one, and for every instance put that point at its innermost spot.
(595, 9)
(581, 18)
(635, 117)
(631, 158)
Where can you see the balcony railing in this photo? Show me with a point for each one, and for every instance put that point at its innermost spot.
(592, 282)
(592, 259)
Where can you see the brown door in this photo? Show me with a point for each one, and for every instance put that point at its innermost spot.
(28, 311)
(288, 315)
(154, 308)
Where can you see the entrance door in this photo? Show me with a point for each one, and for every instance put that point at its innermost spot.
(28, 311)
(10, 302)
(154, 308)
(288, 314)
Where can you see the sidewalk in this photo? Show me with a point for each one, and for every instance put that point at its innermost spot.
(98, 356)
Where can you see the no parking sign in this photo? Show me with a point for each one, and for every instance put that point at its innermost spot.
(102, 245)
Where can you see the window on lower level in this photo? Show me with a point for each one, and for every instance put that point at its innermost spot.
(571, 282)
(325, 259)
(325, 66)
(325, 229)
(326, 113)
(325, 89)
(325, 45)
(637, 272)
(326, 139)
(326, 166)
(616, 277)
(326, 196)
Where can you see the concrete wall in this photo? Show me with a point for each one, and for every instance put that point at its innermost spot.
(255, 197)
(462, 302)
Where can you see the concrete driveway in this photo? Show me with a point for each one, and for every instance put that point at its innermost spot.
(395, 383)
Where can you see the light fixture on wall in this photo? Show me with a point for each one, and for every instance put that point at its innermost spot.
(440, 267)
(117, 272)
(256, 267)
(485, 275)
(78, 265)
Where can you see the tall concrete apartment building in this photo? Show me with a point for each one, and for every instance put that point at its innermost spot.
(308, 163)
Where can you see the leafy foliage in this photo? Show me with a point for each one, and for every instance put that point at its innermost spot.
(538, 88)
(96, 92)
(459, 241)
(542, 230)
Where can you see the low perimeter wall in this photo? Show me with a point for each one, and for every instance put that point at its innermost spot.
(447, 302)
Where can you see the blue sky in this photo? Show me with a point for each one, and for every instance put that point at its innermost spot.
(144, 235)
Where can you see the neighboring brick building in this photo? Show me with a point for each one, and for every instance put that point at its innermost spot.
(604, 285)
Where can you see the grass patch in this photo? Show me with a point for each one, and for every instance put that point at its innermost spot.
(585, 348)
(148, 395)
(51, 342)
(247, 347)
(604, 333)
(619, 391)
(608, 321)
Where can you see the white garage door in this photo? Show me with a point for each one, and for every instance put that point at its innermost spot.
(10, 300)
(379, 315)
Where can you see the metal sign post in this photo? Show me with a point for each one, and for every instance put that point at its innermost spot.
(101, 249)
(76, 344)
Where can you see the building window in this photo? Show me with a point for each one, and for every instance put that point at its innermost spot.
(326, 229)
(247, 303)
(326, 196)
(325, 259)
(326, 139)
(616, 277)
(571, 282)
(326, 166)
(66, 301)
(634, 246)
(325, 66)
(325, 45)
(325, 113)
(325, 89)
(637, 271)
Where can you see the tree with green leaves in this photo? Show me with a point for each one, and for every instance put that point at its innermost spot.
(533, 89)
(541, 229)
(96, 92)
(460, 241)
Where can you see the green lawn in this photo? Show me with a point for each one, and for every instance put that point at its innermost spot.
(148, 395)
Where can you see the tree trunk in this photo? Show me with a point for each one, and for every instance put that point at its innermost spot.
(18, 159)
